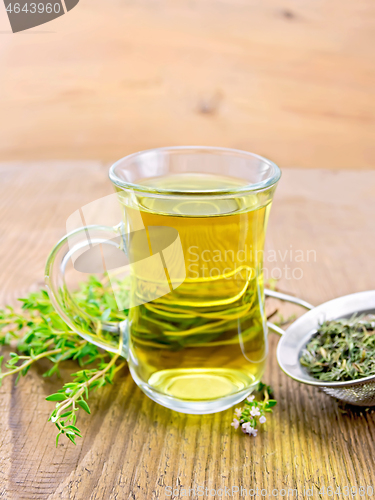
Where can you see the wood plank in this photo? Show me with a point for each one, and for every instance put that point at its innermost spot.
(133, 448)
(293, 81)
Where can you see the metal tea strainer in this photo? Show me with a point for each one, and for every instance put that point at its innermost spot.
(360, 392)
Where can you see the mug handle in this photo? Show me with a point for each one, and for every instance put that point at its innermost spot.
(110, 336)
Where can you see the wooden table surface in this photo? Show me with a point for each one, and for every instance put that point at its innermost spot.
(133, 448)
(294, 80)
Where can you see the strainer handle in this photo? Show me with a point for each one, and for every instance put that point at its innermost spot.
(286, 298)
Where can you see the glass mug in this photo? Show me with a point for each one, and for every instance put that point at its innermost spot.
(189, 241)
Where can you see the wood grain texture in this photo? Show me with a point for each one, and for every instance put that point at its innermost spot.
(133, 448)
(294, 81)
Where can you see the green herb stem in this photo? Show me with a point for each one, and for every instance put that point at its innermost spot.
(72, 400)
(31, 360)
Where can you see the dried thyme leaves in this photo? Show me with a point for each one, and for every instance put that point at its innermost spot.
(341, 350)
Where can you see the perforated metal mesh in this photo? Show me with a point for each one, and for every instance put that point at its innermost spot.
(356, 394)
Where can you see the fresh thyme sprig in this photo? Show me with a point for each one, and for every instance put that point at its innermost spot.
(253, 411)
(72, 396)
(38, 332)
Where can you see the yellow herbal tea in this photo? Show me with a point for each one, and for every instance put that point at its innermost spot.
(205, 339)
(182, 251)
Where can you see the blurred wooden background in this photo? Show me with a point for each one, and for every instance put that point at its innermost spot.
(293, 80)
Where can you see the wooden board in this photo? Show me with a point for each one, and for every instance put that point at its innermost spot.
(290, 80)
(133, 448)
